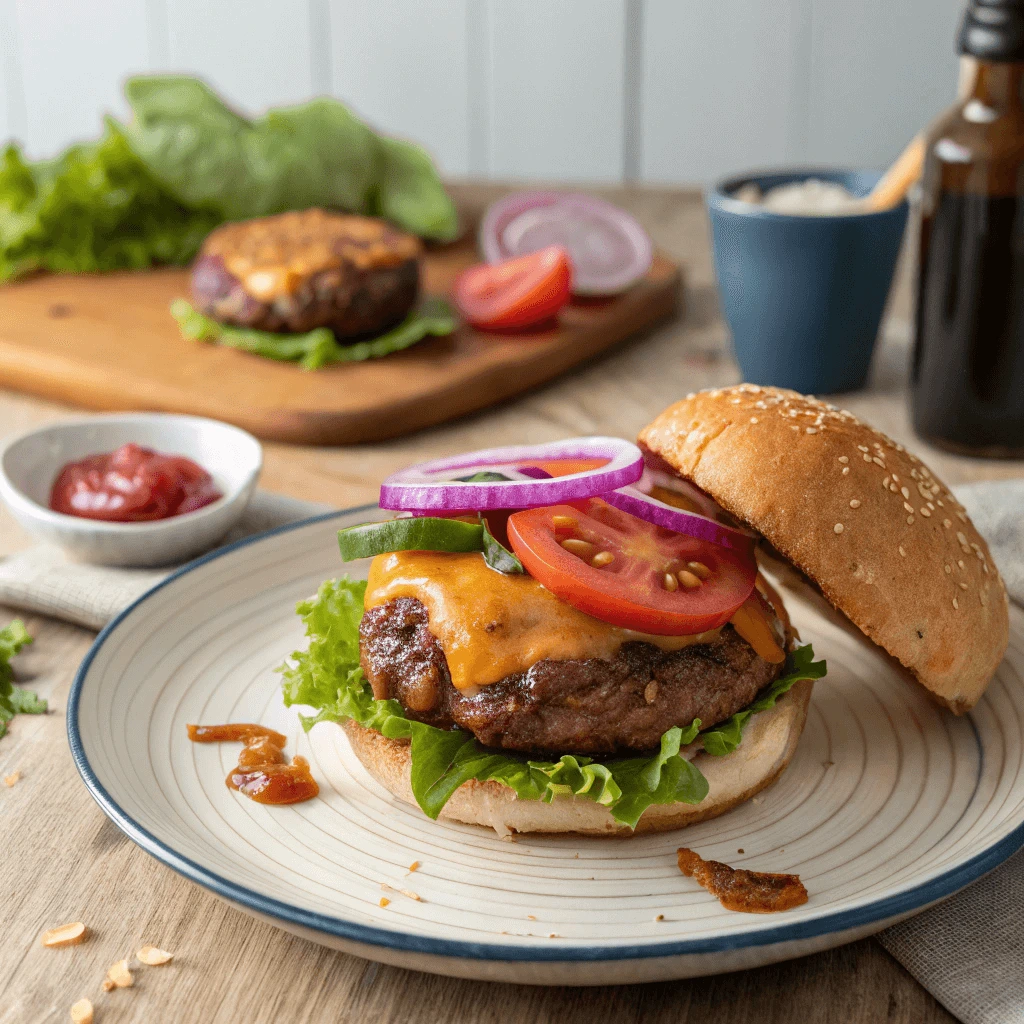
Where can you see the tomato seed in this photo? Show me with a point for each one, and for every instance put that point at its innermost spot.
(688, 579)
(602, 558)
(671, 583)
(699, 569)
(564, 522)
(582, 548)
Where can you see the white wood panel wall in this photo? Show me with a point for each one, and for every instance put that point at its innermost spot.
(256, 52)
(73, 57)
(704, 113)
(10, 79)
(673, 91)
(903, 73)
(555, 90)
(404, 66)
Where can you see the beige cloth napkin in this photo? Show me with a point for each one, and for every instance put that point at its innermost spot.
(43, 580)
(968, 951)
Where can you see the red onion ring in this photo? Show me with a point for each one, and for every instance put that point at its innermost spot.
(501, 213)
(609, 249)
(429, 485)
(643, 506)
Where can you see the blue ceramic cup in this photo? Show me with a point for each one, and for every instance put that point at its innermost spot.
(803, 295)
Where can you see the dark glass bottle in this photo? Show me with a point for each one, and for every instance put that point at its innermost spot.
(967, 377)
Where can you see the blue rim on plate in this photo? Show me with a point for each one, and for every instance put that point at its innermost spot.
(916, 898)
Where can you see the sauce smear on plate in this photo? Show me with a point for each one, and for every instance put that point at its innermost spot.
(263, 773)
(750, 892)
(132, 485)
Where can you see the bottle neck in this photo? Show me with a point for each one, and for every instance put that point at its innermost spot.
(997, 85)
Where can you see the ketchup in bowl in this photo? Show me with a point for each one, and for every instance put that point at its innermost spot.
(132, 485)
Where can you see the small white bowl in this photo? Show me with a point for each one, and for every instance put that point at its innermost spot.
(29, 465)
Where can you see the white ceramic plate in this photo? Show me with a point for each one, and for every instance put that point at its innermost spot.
(890, 804)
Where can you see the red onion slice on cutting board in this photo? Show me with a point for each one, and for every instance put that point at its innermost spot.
(609, 249)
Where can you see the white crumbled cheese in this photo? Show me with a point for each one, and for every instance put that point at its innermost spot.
(810, 198)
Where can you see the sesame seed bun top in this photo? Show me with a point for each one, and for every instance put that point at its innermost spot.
(866, 520)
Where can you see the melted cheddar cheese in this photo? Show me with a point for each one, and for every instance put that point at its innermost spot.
(492, 625)
(751, 621)
(273, 256)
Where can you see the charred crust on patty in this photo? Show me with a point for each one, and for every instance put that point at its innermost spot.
(586, 706)
(297, 271)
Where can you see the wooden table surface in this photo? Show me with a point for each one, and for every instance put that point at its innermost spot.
(62, 860)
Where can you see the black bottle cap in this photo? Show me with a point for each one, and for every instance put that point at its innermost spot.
(993, 30)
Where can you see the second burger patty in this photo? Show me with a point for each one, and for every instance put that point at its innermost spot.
(591, 706)
(305, 269)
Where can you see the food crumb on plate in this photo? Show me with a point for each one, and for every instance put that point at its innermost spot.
(13, 779)
(750, 892)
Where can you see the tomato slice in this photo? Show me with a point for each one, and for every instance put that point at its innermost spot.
(563, 467)
(628, 572)
(515, 293)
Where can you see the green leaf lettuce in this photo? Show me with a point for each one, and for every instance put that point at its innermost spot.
(14, 699)
(314, 154)
(319, 347)
(149, 191)
(326, 676)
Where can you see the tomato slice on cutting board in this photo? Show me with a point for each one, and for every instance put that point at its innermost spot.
(628, 572)
(519, 292)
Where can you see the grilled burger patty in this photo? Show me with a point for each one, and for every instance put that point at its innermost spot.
(590, 706)
(297, 271)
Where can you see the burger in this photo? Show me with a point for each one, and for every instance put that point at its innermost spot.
(297, 271)
(577, 637)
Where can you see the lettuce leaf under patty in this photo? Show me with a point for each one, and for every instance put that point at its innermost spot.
(326, 677)
(319, 347)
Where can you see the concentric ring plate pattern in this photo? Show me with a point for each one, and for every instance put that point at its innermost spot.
(890, 804)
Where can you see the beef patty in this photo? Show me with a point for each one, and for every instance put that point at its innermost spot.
(590, 706)
(298, 271)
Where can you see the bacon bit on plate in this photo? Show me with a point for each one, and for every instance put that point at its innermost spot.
(405, 892)
(750, 892)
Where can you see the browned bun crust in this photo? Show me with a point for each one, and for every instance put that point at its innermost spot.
(866, 520)
(769, 742)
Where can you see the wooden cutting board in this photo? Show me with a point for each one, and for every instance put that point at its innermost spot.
(108, 342)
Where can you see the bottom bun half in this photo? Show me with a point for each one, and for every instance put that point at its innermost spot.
(769, 742)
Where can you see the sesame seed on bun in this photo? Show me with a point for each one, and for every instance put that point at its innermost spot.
(863, 518)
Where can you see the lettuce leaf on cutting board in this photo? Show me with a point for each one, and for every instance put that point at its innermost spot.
(148, 192)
